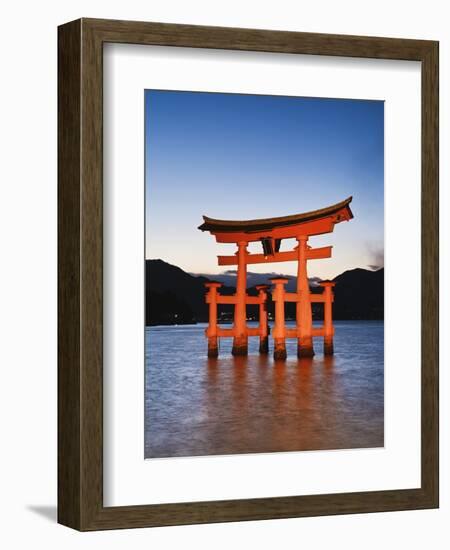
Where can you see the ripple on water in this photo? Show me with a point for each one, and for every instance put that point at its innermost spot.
(195, 406)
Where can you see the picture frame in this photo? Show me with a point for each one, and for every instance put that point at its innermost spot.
(80, 274)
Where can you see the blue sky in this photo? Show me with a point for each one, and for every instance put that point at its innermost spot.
(237, 156)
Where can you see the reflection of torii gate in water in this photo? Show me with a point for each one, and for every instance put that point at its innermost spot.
(270, 232)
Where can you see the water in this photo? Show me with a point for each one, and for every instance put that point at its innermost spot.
(198, 406)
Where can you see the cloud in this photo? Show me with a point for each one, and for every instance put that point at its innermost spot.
(314, 281)
(228, 278)
(376, 254)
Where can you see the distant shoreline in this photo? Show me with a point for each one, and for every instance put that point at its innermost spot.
(174, 297)
(316, 321)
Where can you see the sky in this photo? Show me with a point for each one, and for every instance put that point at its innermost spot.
(235, 156)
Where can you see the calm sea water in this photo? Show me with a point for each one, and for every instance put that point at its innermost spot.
(198, 406)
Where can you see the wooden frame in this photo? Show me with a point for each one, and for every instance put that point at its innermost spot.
(80, 443)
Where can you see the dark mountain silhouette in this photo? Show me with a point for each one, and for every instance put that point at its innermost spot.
(359, 294)
(176, 297)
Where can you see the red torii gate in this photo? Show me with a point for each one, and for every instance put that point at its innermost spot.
(270, 232)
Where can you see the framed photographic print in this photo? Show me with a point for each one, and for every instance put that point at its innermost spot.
(248, 274)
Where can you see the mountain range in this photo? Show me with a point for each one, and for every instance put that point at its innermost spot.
(174, 296)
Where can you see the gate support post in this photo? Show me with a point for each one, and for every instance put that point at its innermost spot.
(328, 347)
(279, 329)
(304, 312)
(240, 341)
(211, 331)
(263, 321)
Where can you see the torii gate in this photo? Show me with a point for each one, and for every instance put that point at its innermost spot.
(270, 232)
